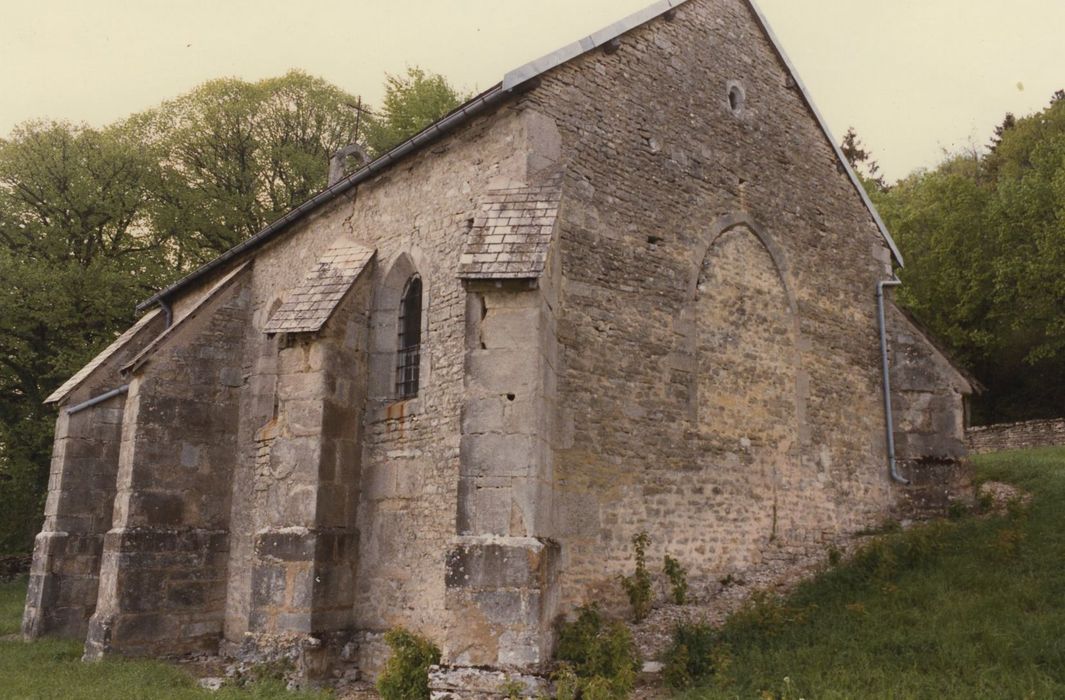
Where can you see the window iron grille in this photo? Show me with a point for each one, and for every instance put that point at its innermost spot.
(408, 357)
(407, 372)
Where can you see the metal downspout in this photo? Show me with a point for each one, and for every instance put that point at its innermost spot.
(168, 313)
(887, 378)
(98, 399)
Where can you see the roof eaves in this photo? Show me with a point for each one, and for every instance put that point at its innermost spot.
(68, 387)
(219, 287)
(975, 384)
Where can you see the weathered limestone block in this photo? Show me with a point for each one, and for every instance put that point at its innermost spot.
(466, 683)
(161, 592)
(505, 590)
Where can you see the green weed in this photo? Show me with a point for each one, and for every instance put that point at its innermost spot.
(406, 673)
(678, 579)
(598, 658)
(638, 586)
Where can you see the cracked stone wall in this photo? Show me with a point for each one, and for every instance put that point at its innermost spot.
(786, 423)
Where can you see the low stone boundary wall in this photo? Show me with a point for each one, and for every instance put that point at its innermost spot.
(1016, 436)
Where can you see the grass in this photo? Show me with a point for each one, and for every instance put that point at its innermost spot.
(53, 669)
(973, 608)
(12, 598)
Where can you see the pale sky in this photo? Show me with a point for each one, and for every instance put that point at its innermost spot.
(913, 76)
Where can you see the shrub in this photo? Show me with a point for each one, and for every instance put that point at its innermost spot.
(884, 557)
(986, 502)
(696, 655)
(678, 579)
(638, 586)
(599, 658)
(406, 674)
(834, 556)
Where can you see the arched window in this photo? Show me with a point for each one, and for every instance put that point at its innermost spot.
(410, 339)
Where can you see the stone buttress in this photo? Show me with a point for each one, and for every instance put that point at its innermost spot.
(81, 489)
(163, 573)
(502, 569)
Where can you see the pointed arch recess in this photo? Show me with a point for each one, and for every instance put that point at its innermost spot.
(747, 403)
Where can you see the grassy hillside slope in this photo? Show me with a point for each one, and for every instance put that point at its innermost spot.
(973, 608)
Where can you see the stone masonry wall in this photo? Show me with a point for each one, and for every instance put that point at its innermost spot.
(927, 394)
(307, 481)
(416, 216)
(658, 166)
(81, 492)
(1016, 436)
(163, 574)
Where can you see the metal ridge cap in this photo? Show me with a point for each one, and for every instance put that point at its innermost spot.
(768, 29)
(438, 128)
(567, 53)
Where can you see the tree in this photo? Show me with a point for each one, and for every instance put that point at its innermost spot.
(861, 161)
(76, 252)
(412, 102)
(984, 237)
(235, 155)
(1008, 122)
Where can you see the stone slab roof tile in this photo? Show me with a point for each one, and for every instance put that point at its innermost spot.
(313, 300)
(512, 233)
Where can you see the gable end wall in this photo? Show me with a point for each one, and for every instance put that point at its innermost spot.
(656, 166)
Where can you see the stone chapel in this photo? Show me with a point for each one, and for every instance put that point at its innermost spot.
(633, 287)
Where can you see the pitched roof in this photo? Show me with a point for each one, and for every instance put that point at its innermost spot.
(107, 353)
(511, 236)
(512, 84)
(219, 287)
(929, 337)
(313, 301)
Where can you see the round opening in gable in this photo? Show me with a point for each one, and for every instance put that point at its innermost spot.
(736, 98)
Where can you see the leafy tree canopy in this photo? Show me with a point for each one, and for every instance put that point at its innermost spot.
(412, 102)
(94, 220)
(984, 236)
(235, 155)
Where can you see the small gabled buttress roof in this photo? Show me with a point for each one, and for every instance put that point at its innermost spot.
(513, 83)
